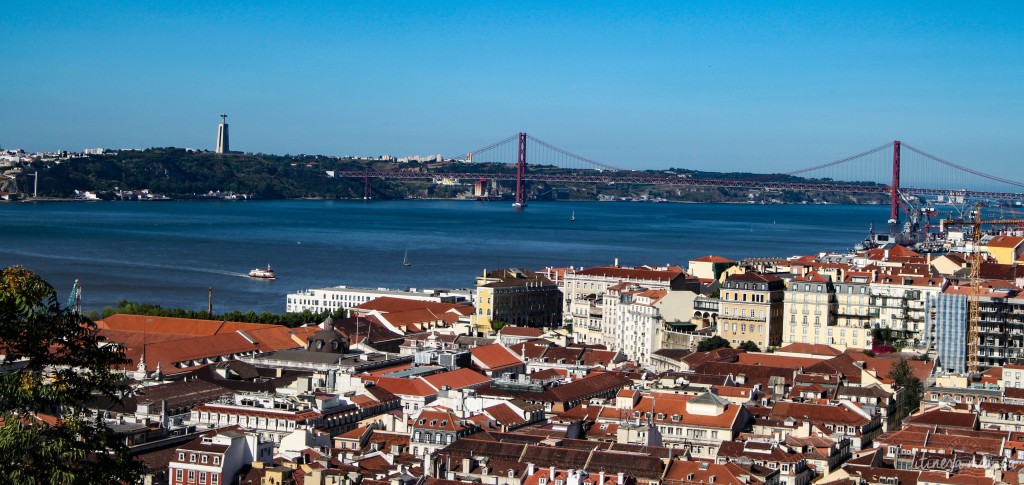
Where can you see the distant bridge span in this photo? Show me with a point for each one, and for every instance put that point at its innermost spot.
(512, 152)
(641, 179)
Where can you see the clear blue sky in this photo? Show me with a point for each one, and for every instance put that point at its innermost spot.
(704, 85)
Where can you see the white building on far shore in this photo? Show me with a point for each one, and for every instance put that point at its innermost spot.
(335, 297)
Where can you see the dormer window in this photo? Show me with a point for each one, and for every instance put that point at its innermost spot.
(661, 415)
(636, 414)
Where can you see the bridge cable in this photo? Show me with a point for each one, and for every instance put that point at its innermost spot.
(963, 168)
(493, 145)
(577, 157)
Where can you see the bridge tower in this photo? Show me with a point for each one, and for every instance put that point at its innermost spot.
(520, 172)
(894, 189)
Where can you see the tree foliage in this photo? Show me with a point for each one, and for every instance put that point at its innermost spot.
(55, 361)
(749, 346)
(294, 319)
(712, 343)
(909, 386)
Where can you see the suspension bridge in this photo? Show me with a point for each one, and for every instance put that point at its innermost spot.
(894, 169)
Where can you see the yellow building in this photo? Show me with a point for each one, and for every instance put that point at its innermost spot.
(751, 309)
(516, 297)
(1005, 249)
(710, 267)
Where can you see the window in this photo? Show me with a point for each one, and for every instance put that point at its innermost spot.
(177, 474)
(216, 460)
(204, 459)
(192, 457)
(214, 478)
(181, 456)
(202, 477)
(191, 475)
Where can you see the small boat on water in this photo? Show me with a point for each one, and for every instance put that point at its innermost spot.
(405, 260)
(572, 217)
(263, 274)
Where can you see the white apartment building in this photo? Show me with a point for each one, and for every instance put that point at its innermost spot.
(810, 310)
(583, 295)
(277, 416)
(345, 297)
(635, 318)
(853, 313)
(216, 458)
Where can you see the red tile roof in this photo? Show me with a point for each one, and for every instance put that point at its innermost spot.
(514, 331)
(174, 326)
(811, 349)
(405, 387)
(1005, 241)
(944, 418)
(494, 357)
(634, 274)
(388, 304)
(712, 259)
(457, 379)
(772, 360)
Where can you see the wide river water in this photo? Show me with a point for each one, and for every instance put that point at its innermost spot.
(169, 253)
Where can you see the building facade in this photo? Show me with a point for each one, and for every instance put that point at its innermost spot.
(751, 309)
(345, 297)
(811, 310)
(516, 297)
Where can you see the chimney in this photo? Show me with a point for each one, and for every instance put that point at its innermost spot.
(530, 469)
(616, 262)
(551, 473)
(600, 478)
(467, 465)
(622, 478)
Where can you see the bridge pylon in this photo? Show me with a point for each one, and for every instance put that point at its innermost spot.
(520, 172)
(894, 189)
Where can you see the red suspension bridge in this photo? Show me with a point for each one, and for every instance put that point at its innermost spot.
(895, 169)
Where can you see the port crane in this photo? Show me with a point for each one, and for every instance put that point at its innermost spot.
(974, 311)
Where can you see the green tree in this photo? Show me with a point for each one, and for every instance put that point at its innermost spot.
(54, 361)
(712, 343)
(749, 346)
(908, 386)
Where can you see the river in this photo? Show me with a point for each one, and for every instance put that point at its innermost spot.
(169, 253)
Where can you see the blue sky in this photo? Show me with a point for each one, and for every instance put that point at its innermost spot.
(704, 85)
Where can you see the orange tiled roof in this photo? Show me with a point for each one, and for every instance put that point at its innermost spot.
(457, 379)
(712, 259)
(494, 357)
(1005, 241)
(175, 326)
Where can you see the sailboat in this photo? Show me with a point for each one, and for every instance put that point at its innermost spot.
(405, 260)
(572, 217)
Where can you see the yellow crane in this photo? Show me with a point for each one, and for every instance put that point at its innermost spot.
(974, 309)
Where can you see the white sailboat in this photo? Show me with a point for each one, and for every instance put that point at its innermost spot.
(572, 217)
(405, 260)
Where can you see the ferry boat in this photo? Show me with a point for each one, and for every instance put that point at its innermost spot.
(263, 274)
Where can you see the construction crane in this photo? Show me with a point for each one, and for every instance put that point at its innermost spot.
(974, 310)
